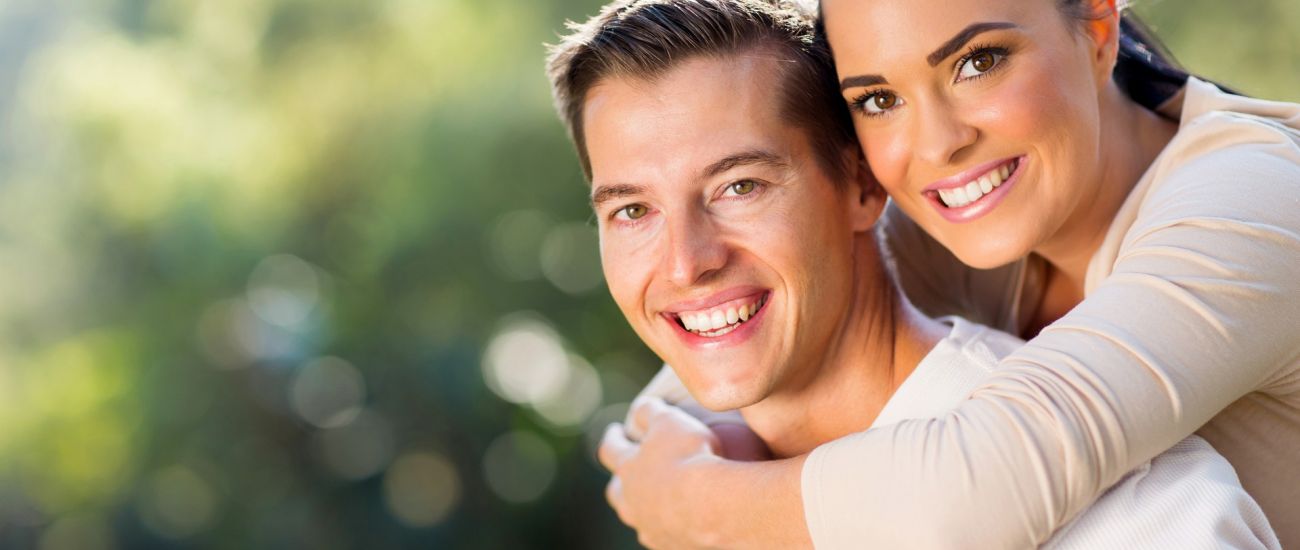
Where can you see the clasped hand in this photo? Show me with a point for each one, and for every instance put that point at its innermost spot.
(661, 483)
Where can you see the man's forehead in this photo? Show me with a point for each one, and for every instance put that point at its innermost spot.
(687, 119)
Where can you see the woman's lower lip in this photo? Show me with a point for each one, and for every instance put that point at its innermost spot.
(735, 337)
(981, 207)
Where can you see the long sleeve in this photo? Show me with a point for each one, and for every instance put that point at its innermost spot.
(1193, 303)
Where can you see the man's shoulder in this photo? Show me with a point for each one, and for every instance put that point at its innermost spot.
(982, 344)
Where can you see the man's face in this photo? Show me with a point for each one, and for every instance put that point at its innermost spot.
(725, 243)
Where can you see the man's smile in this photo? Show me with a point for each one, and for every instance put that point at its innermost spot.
(708, 321)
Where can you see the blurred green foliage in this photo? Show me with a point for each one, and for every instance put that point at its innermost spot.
(281, 273)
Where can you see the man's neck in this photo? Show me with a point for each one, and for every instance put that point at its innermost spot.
(880, 343)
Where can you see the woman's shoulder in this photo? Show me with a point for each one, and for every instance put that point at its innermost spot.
(1229, 179)
(1231, 155)
(1216, 127)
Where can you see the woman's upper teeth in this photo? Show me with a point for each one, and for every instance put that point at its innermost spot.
(978, 187)
(714, 319)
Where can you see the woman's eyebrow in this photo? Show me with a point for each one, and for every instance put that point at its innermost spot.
(956, 42)
(862, 81)
(937, 56)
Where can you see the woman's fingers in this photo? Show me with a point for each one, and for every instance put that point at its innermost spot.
(615, 447)
(646, 411)
(614, 496)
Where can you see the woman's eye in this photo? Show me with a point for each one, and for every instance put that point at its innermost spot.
(742, 187)
(632, 212)
(884, 101)
(878, 103)
(979, 63)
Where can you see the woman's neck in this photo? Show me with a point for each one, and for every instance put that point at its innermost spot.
(1131, 138)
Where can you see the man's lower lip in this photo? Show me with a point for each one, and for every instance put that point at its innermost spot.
(740, 334)
(984, 205)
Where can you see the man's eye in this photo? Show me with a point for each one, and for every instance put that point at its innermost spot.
(742, 187)
(979, 63)
(632, 212)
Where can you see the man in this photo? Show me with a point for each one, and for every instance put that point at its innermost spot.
(735, 216)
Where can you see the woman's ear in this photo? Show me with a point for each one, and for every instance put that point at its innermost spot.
(865, 196)
(1103, 33)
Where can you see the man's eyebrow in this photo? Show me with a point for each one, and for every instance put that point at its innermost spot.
(746, 158)
(862, 81)
(956, 42)
(606, 193)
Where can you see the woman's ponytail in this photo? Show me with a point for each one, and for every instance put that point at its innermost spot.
(1145, 69)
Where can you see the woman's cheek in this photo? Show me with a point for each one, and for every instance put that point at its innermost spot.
(1033, 103)
(888, 154)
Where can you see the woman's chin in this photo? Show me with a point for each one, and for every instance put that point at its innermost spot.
(985, 253)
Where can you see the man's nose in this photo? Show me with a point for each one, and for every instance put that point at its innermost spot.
(695, 250)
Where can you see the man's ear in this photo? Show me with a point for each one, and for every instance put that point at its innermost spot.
(865, 197)
(1103, 34)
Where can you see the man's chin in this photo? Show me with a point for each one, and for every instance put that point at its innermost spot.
(724, 383)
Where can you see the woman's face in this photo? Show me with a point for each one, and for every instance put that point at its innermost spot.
(980, 117)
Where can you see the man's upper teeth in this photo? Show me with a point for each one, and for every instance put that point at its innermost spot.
(978, 187)
(714, 319)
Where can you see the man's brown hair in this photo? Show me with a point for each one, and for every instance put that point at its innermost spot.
(646, 38)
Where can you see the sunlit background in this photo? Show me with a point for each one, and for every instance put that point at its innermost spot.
(321, 273)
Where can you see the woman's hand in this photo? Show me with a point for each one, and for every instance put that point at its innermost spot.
(676, 489)
(654, 479)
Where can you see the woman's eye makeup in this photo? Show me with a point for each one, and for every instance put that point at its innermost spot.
(980, 61)
(875, 102)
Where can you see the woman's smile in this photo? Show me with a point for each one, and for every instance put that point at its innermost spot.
(975, 192)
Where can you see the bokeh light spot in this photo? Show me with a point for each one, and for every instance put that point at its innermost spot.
(233, 336)
(515, 240)
(580, 396)
(283, 290)
(421, 488)
(519, 466)
(327, 392)
(525, 361)
(571, 258)
(358, 449)
(178, 503)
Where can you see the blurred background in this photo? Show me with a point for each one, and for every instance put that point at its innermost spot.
(321, 273)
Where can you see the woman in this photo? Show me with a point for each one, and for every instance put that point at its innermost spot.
(1160, 247)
